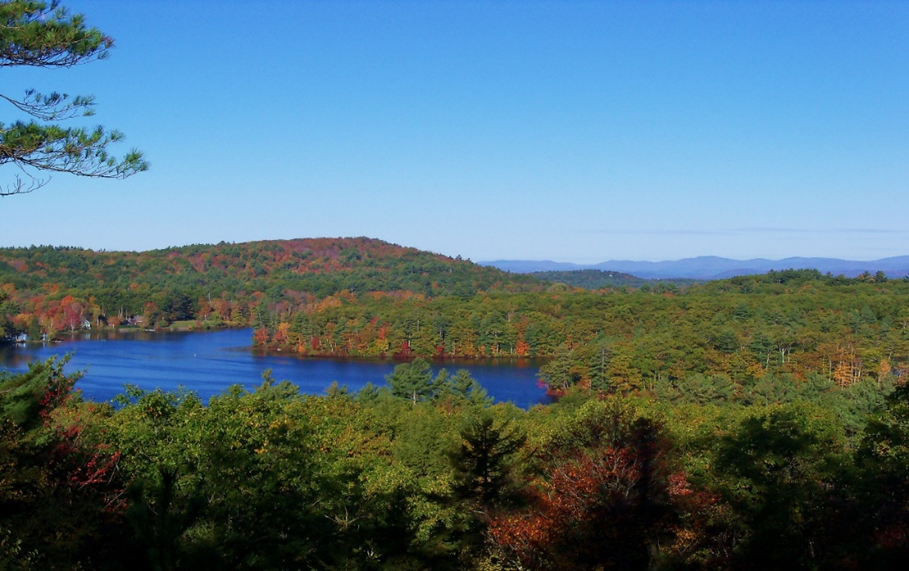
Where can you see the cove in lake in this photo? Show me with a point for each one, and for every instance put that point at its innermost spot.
(209, 362)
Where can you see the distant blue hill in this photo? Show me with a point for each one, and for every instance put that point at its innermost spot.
(713, 267)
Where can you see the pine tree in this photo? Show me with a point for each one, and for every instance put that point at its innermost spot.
(46, 35)
(412, 381)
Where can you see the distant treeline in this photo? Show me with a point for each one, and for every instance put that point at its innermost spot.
(602, 279)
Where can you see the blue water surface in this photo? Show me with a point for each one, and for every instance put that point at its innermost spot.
(209, 362)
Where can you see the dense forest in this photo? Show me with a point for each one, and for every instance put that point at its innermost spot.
(781, 328)
(424, 473)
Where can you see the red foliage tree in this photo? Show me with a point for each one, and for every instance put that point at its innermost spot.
(611, 506)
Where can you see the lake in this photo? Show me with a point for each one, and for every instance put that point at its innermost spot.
(209, 362)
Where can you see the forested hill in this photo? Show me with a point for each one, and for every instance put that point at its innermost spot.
(321, 266)
(222, 281)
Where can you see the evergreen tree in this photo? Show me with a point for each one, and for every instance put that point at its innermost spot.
(412, 381)
(482, 460)
(40, 34)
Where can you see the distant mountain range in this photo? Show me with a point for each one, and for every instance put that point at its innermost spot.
(713, 267)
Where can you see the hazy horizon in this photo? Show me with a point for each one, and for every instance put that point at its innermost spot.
(563, 260)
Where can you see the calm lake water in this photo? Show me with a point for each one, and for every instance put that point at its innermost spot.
(209, 362)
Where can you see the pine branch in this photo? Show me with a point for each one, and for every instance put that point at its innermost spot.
(42, 35)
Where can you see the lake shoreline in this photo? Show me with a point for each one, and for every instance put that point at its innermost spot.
(207, 362)
(284, 351)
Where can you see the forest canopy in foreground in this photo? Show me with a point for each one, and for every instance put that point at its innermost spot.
(439, 479)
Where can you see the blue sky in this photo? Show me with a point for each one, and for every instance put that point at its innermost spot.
(571, 131)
